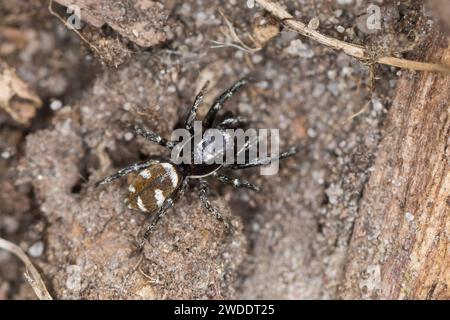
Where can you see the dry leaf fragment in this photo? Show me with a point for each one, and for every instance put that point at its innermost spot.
(16, 97)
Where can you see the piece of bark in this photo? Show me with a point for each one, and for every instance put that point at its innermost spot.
(400, 244)
(141, 21)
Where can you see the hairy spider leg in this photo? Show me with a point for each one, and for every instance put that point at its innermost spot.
(168, 203)
(232, 123)
(237, 183)
(188, 123)
(126, 171)
(265, 161)
(203, 195)
(154, 137)
(151, 226)
(218, 103)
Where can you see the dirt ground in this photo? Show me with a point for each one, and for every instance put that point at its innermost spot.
(144, 63)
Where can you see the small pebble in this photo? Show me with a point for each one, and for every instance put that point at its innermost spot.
(6, 155)
(334, 192)
(298, 48)
(255, 227)
(10, 225)
(331, 74)
(311, 133)
(314, 23)
(36, 250)
(127, 106)
(338, 13)
(257, 58)
(345, 2)
(56, 105)
(319, 89)
(172, 88)
(128, 136)
(263, 84)
(377, 105)
(409, 216)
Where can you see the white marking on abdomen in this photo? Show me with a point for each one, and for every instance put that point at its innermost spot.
(131, 189)
(173, 175)
(145, 174)
(159, 196)
(141, 205)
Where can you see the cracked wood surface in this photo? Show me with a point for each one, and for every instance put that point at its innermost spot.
(400, 244)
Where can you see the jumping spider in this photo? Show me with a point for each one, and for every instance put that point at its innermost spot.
(159, 183)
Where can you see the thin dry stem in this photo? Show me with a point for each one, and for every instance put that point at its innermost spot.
(32, 275)
(360, 112)
(234, 37)
(349, 48)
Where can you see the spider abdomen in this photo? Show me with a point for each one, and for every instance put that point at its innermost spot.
(152, 187)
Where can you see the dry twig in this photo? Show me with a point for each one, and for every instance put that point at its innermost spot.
(349, 48)
(31, 274)
(233, 38)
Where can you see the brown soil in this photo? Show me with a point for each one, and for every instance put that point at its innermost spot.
(288, 241)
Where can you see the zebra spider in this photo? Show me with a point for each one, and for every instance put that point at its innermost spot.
(159, 183)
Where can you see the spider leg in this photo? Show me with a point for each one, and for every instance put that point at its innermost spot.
(154, 137)
(126, 171)
(162, 211)
(261, 162)
(205, 201)
(151, 226)
(237, 183)
(232, 123)
(218, 103)
(188, 123)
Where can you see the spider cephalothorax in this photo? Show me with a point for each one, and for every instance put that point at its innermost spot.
(159, 183)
